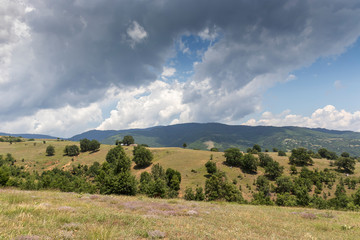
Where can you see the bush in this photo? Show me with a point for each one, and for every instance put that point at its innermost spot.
(346, 164)
(257, 148)
(142, 156)
(87, 145)
(249, 163)
(72, 150)
(284, 184)
(264, 159)
(128, 140)
(214, 149)
(273, 170)
(300, 157)
(233, 157)
(286, 199)
(118, 160)
(281, 153)
(210, 167)
(50, 150)
(217, 187)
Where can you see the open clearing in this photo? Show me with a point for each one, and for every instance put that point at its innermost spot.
(56, 215)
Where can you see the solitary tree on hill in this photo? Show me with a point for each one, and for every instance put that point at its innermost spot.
(50, 150)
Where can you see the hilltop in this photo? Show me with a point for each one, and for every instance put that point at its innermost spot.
(206, 135)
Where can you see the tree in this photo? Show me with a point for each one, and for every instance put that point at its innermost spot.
(142, 156)
(217, 187)
(84, 145)
(94, 145)
(233, 157)
(50, 150)
(72, 150)
(264, 159)
(184, 145)
(173, 179)
(118, 160)
(273, 170)
(300, 157)
(284, 184)
(214, 149)
(257, 148)
(346, 164)
(128, 140)
(281, 153)
(210, 167)
(249, 163)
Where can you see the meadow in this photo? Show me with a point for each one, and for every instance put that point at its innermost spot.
(35, 215)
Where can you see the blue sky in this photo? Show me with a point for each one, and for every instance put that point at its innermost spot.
(71, 66)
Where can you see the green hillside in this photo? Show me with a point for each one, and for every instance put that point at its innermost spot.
(190, 163)
(203, 136)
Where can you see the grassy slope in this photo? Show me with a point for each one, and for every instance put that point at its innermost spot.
(55, 215)
(183, 160)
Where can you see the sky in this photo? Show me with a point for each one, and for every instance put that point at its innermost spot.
(74, 65)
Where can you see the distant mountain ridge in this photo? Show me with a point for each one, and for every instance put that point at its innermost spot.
(29, 135)
(222, 136)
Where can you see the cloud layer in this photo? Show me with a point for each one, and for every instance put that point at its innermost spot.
(328, 117)
(57, 54)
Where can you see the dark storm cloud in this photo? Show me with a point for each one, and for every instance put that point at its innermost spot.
(77, 49)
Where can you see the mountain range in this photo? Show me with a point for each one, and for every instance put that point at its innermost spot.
(222, 136)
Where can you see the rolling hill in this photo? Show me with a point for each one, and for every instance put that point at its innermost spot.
(207, 135)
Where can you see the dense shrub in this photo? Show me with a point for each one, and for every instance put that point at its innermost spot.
(300, 157)
(346, 164)
(249, 163)
(233, 157)
(50, 150)
(210, 167)
(72, 150)
(142, 156)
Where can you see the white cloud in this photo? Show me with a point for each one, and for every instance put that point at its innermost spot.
(168, 72)
(159, 103)
(63, 122)
(209, 34)
(136, 32)
(328, 117)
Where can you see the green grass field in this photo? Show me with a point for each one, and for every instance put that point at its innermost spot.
(56, 215)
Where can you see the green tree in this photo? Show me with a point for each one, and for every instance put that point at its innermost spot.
(94, 145)
(142, 156)
(273, 170)
(184, 145)
(128, 140)
(4, 175)
(346, 164)
(264, 159)
(257, 148)
(210, 167)
(284, 184)
(118, 159)
(72, 150)
(300, 157)
(50, 150)
(84, 145)
(214, 149)
(281, 153)
(233, 157)
(249, 163)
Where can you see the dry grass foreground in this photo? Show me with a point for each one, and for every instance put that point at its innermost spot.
(35, 215)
